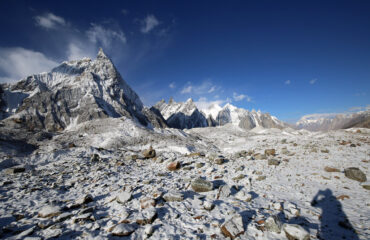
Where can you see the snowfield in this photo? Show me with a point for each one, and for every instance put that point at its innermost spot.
(93, 181)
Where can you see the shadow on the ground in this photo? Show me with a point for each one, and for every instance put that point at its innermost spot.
(334, 222)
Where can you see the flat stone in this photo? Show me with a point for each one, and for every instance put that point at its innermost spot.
(123, 229)
(295, 232)
(355, 174)
(331, 169)
(173, 196)
(49, 211)
(366, 185)
(233, 227)
(15, 169)
(273, 162)
(201, 185)
(123, 197)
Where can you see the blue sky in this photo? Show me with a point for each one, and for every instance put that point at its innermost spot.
(289, 58)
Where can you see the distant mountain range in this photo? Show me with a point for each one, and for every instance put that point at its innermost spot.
(84, 90)
(326, 122)
(187, 115)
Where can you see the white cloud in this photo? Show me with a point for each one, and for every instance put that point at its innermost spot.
(99, 34)
(187, 89)
(149, 23)
(287, 82)
(17, 63)
(76, 50)
(313, 81)
(212, 89)
(203, 103)
(172, 85)
(205, 87)
(50, 21)
(240, 97)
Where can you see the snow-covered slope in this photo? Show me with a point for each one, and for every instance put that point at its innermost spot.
(181, 114)
(326, 122)
(73, 92)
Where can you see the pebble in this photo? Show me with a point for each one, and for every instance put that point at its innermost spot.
(233, 227)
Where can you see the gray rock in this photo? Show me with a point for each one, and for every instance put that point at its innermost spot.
(173, 196)
(233, 227)
(273, 224)
(95, 158)
(355, 174)
(16, 169)
(243, 195)
(224, 191)
(49, 211)
(201, 185)
(295, 232)
(273, 162)
(124, 197)
(146, 216)
(123, 229)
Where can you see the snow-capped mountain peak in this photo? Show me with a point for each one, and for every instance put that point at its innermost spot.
(73, 92)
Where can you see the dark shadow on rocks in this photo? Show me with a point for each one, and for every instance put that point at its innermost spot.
(162, 212)
(247, 217)
(218, 183)
(334, 222)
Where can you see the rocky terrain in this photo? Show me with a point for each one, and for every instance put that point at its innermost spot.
(94, 163)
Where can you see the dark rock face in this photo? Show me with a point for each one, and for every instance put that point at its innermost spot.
(72, 93)
(211, 122)
(181, 115)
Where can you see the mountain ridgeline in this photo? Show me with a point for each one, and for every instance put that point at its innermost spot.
(72, 93)
(82, 90)
(187, 115)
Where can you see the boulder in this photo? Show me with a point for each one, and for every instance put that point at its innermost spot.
(355, 174)
(123, 230)
(201, 185)
(49, 211)
(243, 195)
(273, 224)
(123, 197)
(295, 232)
(146, 216)
(173, 196)
(233, 227)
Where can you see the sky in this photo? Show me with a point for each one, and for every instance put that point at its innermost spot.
(289, 58)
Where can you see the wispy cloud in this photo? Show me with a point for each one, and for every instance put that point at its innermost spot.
(205, 87)
(240, 97)
(287, 82)
(187, 89)
(172, 85)
(17, 63)
(100, 34)
(149, 23)
(313, 81)
(50, 21)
